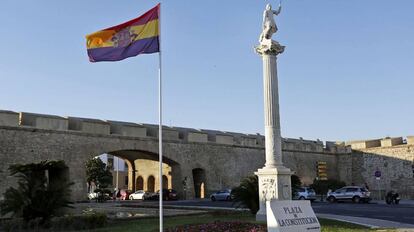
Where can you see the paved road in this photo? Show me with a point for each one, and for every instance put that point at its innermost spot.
(403, 213)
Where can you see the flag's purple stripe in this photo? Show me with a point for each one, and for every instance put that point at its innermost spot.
(143, 46)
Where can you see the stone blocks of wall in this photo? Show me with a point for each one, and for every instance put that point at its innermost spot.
(195, 136)
(389, 142)
(96, 126)
(410, 140)
(225, 139)
(219, 137)
(43, 121)
(302, 145)
(394, 163)
(88, 125)
(168, 133)
(127, 129)
(9, 118)
(365, 144)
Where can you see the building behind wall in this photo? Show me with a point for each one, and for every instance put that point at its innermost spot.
(118, 169)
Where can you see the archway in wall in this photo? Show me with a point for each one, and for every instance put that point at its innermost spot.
(139, 183)
(199, 177)
(118, 168)
(144, 164)
(164, 182)
(151, 184)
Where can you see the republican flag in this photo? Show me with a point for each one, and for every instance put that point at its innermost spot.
(137, 36)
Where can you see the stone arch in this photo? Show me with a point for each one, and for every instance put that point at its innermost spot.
(174, 176)
(151, 184)
(199, 178)
(139, 183)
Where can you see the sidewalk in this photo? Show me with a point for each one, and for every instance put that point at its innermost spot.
(369, 222)
(402, 202)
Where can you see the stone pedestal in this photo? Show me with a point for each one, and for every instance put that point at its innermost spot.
(274, 183)
(274, 178)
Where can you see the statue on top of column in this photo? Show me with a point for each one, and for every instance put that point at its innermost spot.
(269, 24)
(267, 45)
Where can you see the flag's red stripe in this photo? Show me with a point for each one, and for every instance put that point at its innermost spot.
(143, 19)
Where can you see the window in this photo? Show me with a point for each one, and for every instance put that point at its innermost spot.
(126, 180)
(351, 190)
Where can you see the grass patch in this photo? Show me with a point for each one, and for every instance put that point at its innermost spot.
(151, 224)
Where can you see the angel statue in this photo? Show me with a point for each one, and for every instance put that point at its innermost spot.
(267, 45)
(269, 24)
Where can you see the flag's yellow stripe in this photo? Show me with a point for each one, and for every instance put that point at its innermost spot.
(102, 39)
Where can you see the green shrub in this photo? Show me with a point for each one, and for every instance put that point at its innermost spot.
(38, 196)
(247, 194)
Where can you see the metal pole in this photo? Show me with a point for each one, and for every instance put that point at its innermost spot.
(160, 118)
(379, 190)
(117, 172)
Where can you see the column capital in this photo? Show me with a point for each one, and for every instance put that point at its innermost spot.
(269, 47)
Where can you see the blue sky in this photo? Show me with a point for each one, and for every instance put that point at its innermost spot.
(347, 72)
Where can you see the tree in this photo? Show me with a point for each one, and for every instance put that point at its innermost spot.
(98, 172)
(247, 194)
(43, 191)
(322, 186)
(295, 184)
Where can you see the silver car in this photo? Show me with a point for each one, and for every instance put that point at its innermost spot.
(223, 195)
(355, 194)
(305, 193)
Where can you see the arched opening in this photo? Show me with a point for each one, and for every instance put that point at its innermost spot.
(151, 184)
(140, 183)
(164, 182)
(118, 168)
(140, 171)
(199, 177)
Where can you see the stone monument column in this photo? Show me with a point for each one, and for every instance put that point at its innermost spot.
(274, 178)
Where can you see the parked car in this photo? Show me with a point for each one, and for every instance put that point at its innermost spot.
(139, 195)
(355, 194)
(168, 195)
(223, 195)
(305, 193)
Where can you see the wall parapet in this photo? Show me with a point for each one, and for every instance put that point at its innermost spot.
(378, 143)
(181, 134)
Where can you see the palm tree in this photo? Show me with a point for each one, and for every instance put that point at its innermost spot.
(43, 191)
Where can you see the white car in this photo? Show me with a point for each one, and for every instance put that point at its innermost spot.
(224, 195)
(355, 194)
(305, 193)
(139, 195)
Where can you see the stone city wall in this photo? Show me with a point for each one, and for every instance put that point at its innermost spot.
(226, 157)
(393, 157)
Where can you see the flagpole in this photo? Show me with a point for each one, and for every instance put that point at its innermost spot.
(161, 195)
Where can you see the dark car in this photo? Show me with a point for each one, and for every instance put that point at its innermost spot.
(168, 195)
